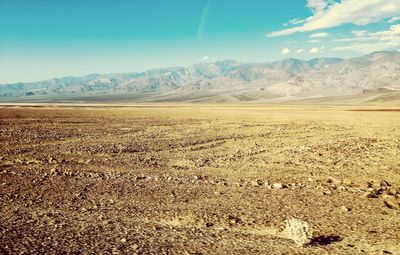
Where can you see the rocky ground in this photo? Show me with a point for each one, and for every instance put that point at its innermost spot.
(199, 180)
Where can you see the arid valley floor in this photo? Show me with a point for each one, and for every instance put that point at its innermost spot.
(199, 179)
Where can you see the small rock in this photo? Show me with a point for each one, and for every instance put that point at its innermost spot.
(328, 192)
(277, 186)
(344, 208)
(123, 240)
(392, 203)
(220, 228)
(360, 185)
(375, 193)
(372, 184)
(233, 219)
(391, 191)
(257, 183)
(332, 180)
(385, 184)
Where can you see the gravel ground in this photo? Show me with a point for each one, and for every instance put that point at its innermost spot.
(198, 179)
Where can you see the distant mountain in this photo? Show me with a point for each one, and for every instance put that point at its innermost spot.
(224, 81)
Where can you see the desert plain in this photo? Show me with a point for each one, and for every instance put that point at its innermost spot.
(199, 179)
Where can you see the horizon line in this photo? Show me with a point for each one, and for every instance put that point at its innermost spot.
(201, 62)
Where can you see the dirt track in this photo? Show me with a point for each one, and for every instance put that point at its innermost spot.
(198, 180)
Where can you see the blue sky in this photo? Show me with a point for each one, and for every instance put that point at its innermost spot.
(54, 38)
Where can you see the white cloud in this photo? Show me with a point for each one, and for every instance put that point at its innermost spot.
(359, 33)
(285, 51)
(317, 5)
(366, 47)
(366, 42)
(328, 14)
(314, 41)
(315, 50)
(205, 58)
(360, 36)
(319, 35)
(284, 32)
(300, 51)
(392, 34)
(393, 19)
(294, 22)
(291, 42)
(352, 39)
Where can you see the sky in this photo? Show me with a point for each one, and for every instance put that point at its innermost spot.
(44, 39)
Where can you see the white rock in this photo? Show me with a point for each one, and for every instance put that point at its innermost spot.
(277, 186)
(297, 230)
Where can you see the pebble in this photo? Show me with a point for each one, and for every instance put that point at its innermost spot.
(209, 224)
(257, 183)
(332, 180)
(344, 208)
(277, 186)
(391, 203)
(385, 184)
(392, 191)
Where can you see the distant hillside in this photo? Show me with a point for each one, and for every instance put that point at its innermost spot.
(225, 81)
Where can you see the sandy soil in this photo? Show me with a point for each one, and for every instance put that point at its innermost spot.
(198, 179)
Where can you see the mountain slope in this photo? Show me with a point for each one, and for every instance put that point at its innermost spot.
(223, 81)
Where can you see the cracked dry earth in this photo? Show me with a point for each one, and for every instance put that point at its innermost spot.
(198, 180)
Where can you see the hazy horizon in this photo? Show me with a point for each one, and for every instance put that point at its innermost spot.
(184, 66)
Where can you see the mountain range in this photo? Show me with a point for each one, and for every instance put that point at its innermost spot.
(371, 77)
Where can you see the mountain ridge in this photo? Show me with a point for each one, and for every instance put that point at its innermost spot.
(226, 80)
